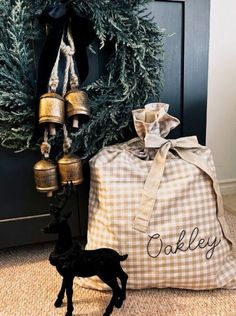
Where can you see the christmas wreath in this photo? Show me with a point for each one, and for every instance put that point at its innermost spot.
(133, 71)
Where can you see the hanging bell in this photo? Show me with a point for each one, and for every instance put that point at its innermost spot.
(77, 105)
(45, 175)
(51, 110)
(70, 169)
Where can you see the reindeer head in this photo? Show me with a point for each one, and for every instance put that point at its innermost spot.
(57, 225)
(59, 221)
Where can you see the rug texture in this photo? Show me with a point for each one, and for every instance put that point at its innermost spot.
(29, 286)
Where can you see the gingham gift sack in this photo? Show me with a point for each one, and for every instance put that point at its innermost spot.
(158, 200)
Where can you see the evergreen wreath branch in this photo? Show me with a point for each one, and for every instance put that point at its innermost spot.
(134, 71)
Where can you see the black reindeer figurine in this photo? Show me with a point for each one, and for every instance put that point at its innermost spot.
(70, 260)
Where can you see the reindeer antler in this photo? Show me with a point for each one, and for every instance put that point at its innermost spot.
(60, 199)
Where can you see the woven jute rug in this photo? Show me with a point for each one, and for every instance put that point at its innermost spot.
(29, 285)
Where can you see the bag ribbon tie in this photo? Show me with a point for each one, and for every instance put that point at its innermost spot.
(186, 148)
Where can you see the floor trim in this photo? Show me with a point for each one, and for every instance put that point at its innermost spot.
(230, 209)
(228, 186)
(22, 218)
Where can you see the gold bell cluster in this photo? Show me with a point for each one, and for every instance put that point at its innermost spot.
(49, 175)
(55, 110)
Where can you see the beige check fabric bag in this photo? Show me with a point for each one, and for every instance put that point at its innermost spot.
(158, 200)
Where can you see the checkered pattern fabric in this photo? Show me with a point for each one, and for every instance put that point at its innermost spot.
(186, 244)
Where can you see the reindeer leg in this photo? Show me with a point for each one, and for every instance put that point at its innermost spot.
(69, 293)
(61, 294)
(112, 282)
(123, 278)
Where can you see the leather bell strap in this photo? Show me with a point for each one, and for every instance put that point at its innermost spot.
(183, 147)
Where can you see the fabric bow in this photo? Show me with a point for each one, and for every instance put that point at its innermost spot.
(185, 148)
(57, 17)
(155, 141)
(152, 124)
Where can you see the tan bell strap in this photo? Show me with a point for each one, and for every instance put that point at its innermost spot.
(45, 147)
(70, 169)
(77, 105)
(51, 110)
(45, 175)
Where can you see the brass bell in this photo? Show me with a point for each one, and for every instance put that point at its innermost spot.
(45, 175)
(77, 105)
(70, 169)
(51, 110)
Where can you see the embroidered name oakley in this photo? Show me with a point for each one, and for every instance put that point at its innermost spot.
(156, 245)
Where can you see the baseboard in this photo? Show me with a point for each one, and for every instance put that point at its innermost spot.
(228, 186)
(229, 209)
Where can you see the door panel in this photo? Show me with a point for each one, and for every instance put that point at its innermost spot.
(186, 62)
(169, 15)
(18, 194)
(24, 211)
(195, 73)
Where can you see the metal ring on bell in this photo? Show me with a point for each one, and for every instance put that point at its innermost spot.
(70, 169)
(51, 110)
(77, 105)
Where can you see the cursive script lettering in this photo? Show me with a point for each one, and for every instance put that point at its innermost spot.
(156, 245)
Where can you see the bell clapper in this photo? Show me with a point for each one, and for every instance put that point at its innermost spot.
(49, 194)
(52, 129)
(75, 121)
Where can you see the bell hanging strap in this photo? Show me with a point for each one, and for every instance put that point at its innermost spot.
(54, 77)
(45, 146)
(67, 141)
(69, 51)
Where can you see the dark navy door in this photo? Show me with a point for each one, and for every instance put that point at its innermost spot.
(24, 211)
